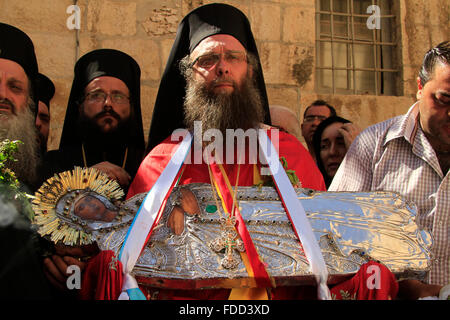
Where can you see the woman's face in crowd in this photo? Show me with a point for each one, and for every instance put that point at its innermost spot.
(332, 148)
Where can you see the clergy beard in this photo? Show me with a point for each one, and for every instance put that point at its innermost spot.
(93, 135)
(240, 109)
(22, 127)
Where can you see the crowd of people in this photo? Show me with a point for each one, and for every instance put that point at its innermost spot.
(214, 77)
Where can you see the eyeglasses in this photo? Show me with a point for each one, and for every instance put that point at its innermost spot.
(209, 60)
(311, 118)
(98, 97)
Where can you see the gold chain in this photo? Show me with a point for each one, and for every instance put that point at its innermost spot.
(211, 178)
(235, 188)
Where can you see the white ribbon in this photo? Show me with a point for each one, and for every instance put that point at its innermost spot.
(298, 216)
(147, 215)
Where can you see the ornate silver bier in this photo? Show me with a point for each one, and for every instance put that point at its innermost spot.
(351, 228)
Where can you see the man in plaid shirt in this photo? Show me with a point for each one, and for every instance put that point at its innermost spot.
(410, 154)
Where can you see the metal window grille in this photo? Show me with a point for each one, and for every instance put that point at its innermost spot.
(351, 57)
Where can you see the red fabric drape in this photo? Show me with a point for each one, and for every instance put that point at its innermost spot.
(373, 281)
(102, 278)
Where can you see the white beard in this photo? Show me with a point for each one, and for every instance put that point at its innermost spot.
(22, 127)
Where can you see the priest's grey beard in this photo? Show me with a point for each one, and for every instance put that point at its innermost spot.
(22, 127)
(240, 109)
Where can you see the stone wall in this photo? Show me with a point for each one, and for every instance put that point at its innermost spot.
(284, 30)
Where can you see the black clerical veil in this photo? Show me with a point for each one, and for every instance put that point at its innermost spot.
(45, 89)
(199, 24)
(98, 63)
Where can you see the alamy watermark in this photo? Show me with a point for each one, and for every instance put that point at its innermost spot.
(74, 20)
(374, 21)
(74, 280)
(374, 280)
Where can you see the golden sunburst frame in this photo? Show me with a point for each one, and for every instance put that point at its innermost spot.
(54, 201)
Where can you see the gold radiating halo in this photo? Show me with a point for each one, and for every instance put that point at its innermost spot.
(47, 197)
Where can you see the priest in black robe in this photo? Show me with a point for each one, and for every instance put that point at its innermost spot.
(21, 274)
(44, 92)
(101, 136)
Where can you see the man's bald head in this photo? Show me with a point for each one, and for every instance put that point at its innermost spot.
(285, 119)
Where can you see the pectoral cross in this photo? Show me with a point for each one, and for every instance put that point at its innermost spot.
(228, 240)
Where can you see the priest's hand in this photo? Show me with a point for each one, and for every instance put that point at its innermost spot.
(414, 289)
(114, 172)
(56, 266)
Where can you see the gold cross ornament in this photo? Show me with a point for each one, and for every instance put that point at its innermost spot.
(228, 241)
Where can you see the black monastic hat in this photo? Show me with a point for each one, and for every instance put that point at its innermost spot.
(199, 24)
(98, 63)
(45, 89)
(16, 45)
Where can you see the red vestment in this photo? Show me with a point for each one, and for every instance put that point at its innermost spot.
(298, 159)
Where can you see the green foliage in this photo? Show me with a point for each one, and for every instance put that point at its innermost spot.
(268, 180)
(290, 173)
(7, 149)
(9, 185)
